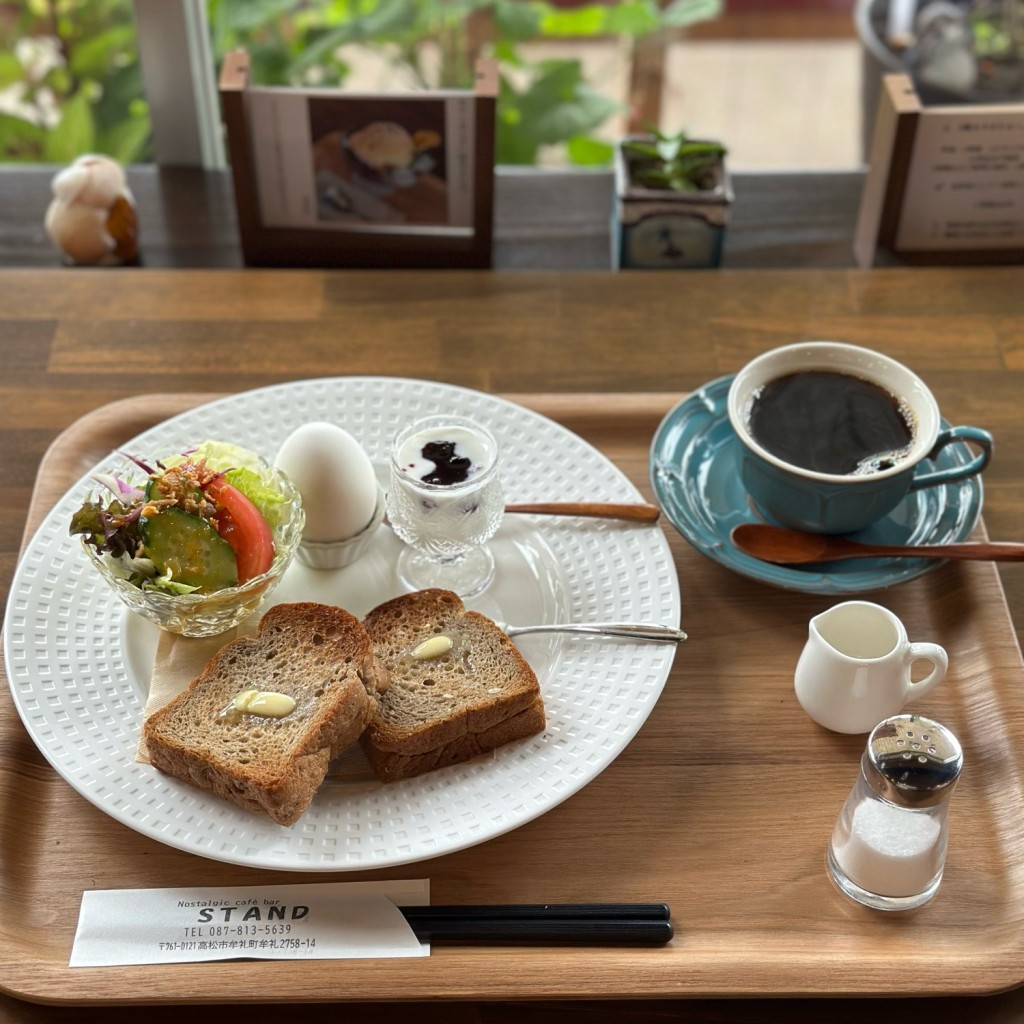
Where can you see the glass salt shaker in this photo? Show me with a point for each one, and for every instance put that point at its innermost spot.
(888, 847)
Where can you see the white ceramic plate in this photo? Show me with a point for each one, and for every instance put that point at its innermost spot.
(78, 663)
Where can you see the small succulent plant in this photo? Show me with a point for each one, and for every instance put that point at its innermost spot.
(673, 162)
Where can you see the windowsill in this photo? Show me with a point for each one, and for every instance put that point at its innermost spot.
(542, 219)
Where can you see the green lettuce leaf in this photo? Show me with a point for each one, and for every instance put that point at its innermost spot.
(252, 475)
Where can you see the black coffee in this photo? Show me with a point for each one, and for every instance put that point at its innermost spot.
(830, 423)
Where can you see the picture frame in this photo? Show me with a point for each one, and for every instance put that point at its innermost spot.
(944, 185)
(330, 178)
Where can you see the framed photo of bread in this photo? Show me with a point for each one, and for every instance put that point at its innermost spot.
(327, 178)
(945, 184)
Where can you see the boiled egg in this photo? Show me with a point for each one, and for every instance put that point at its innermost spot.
(335, 477)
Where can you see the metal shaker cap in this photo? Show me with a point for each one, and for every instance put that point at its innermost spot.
(912, 761)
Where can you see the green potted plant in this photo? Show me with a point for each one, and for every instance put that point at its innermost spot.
(672, 200)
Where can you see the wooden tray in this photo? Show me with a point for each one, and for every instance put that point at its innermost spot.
(722, 806)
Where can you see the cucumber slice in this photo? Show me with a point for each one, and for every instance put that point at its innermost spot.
(153, 489)
(191, 548)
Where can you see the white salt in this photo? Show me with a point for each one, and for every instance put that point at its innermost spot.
(890, 851)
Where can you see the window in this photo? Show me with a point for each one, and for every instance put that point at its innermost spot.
(70, 82)
(777, 80)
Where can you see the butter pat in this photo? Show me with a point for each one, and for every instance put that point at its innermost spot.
(435, 647)
(264, 703)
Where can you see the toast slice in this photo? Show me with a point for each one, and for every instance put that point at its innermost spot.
(464, 700)
(319, 656)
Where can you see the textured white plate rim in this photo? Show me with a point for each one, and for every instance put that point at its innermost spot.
(199, 816)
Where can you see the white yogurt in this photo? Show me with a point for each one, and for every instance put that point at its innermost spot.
(448, 505)
(469, 444)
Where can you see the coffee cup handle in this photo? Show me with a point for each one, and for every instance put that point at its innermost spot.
(939, 661)
(977, 436)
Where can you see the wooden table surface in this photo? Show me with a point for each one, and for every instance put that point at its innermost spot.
(73, 341)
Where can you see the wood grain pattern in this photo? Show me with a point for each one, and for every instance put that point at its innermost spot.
(724, 801)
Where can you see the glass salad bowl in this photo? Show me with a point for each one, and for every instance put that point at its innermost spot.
(211, 613)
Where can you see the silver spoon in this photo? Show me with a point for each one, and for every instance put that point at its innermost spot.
(624, 630)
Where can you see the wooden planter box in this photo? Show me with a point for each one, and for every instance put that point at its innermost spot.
(658, 229)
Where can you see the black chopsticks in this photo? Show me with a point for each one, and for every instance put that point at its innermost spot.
(595, 924)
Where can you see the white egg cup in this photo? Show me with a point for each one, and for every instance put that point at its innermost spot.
(336, 554)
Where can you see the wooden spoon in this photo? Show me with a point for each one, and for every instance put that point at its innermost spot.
(791, 547)
(637, 513)
(592, 509)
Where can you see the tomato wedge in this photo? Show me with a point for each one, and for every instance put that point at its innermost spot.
(242, 525)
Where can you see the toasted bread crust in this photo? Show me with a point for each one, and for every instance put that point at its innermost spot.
(320, 656)
(437, 712)
(391, 766)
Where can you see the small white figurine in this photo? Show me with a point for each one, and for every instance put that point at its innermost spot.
(92, 218)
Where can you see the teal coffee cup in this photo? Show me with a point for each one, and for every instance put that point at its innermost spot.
(834, 436)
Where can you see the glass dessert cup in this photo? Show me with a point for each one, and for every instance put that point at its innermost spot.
(213, 613)
(445, 519)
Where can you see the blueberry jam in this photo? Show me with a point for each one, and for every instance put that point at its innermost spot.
(449, 468)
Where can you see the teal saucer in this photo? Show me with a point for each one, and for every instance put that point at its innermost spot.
(694, 468)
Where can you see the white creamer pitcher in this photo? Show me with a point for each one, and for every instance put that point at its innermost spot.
(855, 667)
